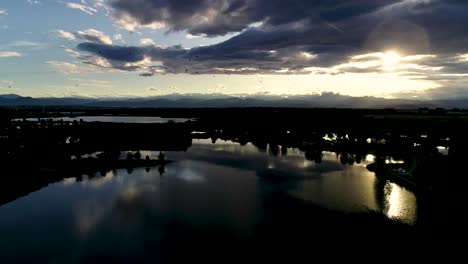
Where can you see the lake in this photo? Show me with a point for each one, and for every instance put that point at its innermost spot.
(218, 192)
(116, 119)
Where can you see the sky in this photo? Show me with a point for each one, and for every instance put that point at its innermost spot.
(414, 49)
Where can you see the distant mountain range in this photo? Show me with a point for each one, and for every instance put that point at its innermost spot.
(324, 100)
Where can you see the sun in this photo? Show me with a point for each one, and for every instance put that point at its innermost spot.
(390, 60)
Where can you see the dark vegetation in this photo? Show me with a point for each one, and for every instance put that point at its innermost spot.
(33, 153)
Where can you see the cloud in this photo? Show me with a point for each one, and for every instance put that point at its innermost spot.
(64, 34)
(91, 35)
(23, 44)
(3, 12)
(129, 24)
(91, 83)
(70, 68)
(63, 67)
(117, 36)
(6, 84)
(88, 10)
(201, 60)
(71, 52)
(295, 37)
(146, 41)
(414, 26)
(97, 4)
(95, 36)
(6, 54)
(218, 17)
(117, 53)
(33, 2)
(190, 36)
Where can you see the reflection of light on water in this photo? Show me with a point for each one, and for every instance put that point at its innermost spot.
(370, 158)
(393, 161)
(330, 137)
(399, 203)
(443, 150)
(394, 202)
(302, 164)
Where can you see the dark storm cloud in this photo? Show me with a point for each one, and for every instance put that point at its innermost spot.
(117, 53)
(218, 17)
(202, 60)
(294, 35)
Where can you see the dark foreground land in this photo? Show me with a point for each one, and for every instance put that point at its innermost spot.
(36, 153)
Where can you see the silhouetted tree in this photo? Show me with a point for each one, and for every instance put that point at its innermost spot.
(315, 156)
(137, 155)
(161, 157)
(284, 150)
(274, 150)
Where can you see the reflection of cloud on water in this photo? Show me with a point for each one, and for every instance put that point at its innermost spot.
(328, 183)
(130, 192)
(347, 190)
(69, 181)
(179, 197)
(225, 183)
(88, 214)
(253, 160)
(190, 175)
(99, 181)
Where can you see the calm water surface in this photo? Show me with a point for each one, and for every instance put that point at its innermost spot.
(212, 185)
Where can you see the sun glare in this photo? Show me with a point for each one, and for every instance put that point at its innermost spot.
(390, 60)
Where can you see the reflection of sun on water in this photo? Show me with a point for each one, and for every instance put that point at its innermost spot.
(390, 60)
(400, 203)
(394, 202)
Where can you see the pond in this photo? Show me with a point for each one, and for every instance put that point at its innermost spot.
(116, 119)
(213, 188)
